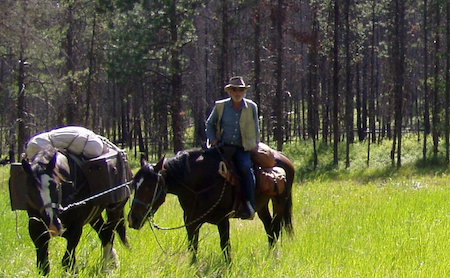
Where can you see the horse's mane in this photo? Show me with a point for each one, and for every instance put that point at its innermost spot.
(44, 156)
(178, 167)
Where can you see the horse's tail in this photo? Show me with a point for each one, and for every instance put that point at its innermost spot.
(286, 218)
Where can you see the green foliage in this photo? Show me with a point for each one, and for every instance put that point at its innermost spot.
(129, 45)
(134, 48)
(379, 163)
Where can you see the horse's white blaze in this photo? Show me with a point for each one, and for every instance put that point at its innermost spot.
(139, 183)
(45, 195)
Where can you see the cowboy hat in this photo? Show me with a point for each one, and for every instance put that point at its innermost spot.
(236, 82)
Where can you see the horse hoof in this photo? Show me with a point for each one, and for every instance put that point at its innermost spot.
(110, 260)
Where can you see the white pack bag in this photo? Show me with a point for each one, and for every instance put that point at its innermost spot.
(76, 139)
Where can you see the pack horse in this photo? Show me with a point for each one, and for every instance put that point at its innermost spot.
(59, 185)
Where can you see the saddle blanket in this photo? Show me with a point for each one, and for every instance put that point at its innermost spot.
(76, 139)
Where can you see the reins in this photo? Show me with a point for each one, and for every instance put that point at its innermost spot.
(196, 219)
(161, 179)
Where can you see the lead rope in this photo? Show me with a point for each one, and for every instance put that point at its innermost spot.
(198, 218)
(84, 201)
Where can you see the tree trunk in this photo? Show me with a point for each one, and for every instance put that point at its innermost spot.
(313, 91)
(348, 86)
(70, 67)
(224, 70)
(364, 97)
(21, 125)
(176, 83)
(358, 104)
(447, 90)
(436, 105)
(278, 16)
(257, 55)
(21, 133)
(426, 109)
(90, 72)
(372, 95)
(398, 53)
(336, 84)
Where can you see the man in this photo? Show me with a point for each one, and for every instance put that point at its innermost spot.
(234, 122)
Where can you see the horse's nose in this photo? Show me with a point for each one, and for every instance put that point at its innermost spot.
(56, 228)
(53, 230)
(133, 222)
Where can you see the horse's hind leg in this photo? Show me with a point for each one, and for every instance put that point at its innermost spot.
(278, 212)
(40, 237)
(224, 232)
(105, 232)
(266, 218)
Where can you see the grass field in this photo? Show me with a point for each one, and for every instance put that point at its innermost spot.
(359, 222)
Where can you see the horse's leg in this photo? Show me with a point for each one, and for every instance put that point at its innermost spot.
(105, 232)
(278, 211)
(266, 218)
(193, 233)
(40, 237)
(116, 218)
(224, 232)
(72, 235)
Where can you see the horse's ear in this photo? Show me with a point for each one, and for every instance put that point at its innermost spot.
(143, 161)
(51, 165)
(26, 166)
(158, 167)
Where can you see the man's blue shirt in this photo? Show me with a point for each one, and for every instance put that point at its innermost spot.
(231, 132)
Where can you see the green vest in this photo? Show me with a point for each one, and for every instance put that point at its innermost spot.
(246, 123)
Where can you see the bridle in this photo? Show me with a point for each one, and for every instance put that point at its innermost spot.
(157, 193)
(54, 205)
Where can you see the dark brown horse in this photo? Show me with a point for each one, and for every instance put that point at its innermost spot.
(205, 196)
(54, 181)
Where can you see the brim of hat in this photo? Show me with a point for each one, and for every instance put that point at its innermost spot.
(236, 86)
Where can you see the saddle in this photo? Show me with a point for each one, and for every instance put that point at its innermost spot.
(270, 179)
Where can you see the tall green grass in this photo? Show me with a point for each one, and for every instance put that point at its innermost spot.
(358, 222)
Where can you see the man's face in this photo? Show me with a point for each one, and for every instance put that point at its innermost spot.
(237, 94)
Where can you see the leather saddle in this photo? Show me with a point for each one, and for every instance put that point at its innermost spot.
(270, 181)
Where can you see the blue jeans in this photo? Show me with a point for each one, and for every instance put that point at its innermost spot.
(244, 165)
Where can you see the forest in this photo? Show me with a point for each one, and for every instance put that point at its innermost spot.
(146, 74)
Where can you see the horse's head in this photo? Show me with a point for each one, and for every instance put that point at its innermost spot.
(44, 187)
(150, 193)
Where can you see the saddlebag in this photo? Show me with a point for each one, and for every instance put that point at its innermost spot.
(18, 187)
(108, 171)
(271, 181)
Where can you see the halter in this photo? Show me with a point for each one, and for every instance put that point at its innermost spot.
(156, 194)
(53, 205)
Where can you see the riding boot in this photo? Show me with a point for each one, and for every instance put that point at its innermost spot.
(250, 211)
